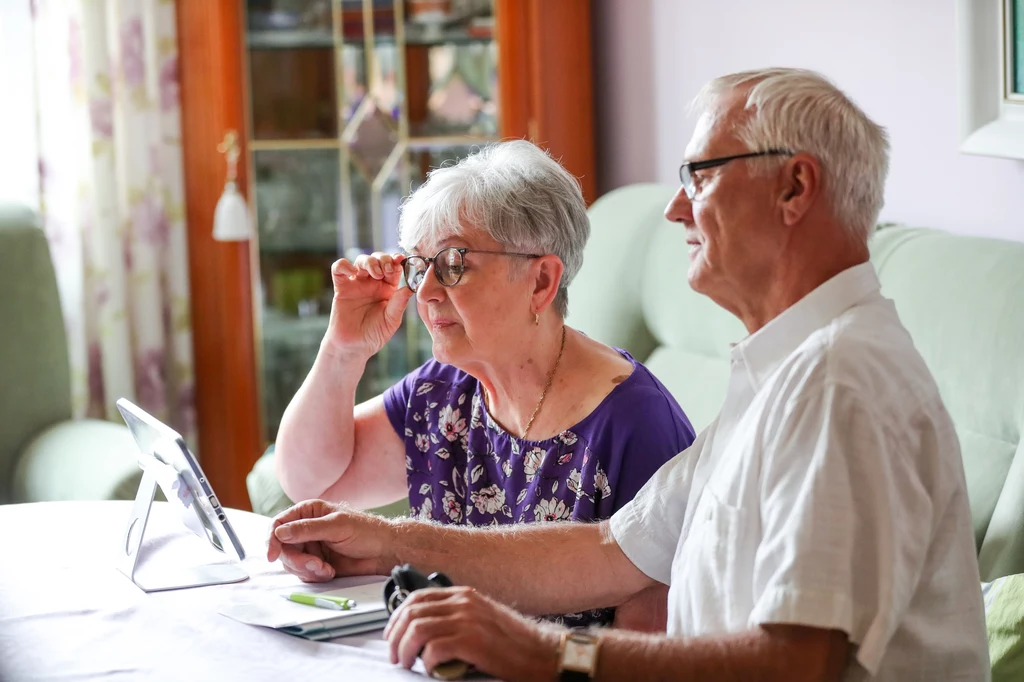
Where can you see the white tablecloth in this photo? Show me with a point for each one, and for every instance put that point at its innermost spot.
(66, 613)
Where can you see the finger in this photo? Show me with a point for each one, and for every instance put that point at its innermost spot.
(397, 304)
(450, 651)
(427, 595)
(371, 264)
(298, 511)
(419, 634)
(342, 268)
(387, 263)
(393, 268)
(428, 603)
(307, 567)
(333, 527)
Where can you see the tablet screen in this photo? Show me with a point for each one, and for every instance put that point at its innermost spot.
(163, 452)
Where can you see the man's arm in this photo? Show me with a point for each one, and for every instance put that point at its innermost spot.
(775, 652)
(459, 623)
(538, 568)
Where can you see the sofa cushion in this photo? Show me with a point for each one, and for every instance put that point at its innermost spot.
(35, 390)
(84, 459)
(1004, 621)
(962, 300)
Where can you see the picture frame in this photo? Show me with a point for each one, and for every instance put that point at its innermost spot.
(990, 55)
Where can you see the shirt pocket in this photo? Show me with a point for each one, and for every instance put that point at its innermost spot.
(712, 569)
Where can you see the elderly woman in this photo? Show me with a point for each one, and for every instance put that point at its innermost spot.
(518, 418)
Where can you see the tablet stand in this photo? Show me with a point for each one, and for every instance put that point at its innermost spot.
(174, 578)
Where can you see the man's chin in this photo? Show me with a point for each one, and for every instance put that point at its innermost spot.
(694, 276)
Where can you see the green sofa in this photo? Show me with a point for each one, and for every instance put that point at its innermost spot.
(44, 454)
(962, 299)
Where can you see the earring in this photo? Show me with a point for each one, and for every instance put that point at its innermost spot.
(536, 318)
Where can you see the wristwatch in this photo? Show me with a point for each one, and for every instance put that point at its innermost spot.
(577, 657)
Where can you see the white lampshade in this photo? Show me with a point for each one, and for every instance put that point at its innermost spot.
(231, 218)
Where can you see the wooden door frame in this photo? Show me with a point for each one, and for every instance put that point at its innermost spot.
(544, 71)
(210, 67)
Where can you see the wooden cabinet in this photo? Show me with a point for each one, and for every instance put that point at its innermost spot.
(343, 106)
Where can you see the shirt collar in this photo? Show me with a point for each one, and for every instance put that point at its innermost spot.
(764, 350)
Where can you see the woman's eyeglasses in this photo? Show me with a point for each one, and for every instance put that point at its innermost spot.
(449, 265)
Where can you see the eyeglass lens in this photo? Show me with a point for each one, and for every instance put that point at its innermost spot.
(448, 267)
(686, 177)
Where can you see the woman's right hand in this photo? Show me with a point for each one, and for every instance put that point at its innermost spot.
(368, 304)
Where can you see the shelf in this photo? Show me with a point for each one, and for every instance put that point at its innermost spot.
(419, 34)
(300, 144)
(326, 250)
(415, 34)
(422, 142)
(288, 40)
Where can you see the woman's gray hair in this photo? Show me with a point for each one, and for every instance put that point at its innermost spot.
(513, 191)
(803, 111)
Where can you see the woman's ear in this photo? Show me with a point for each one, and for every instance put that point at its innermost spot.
(547, 275)
(800, 187)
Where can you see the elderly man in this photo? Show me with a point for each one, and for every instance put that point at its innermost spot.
(819, 529)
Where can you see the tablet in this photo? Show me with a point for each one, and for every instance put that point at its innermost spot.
(163, 455)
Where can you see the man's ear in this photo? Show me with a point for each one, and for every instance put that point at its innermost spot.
(800, 187)
(547, 275)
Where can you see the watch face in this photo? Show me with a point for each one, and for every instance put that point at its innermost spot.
(578, 654)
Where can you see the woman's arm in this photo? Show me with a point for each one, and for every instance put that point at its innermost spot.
(325, 448)
(328, 450)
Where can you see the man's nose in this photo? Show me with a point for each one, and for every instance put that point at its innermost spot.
(680, 209)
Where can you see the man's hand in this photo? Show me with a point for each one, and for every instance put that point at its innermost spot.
(318, 541)
(459, 623)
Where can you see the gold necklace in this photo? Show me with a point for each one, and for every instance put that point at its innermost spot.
(543, 394)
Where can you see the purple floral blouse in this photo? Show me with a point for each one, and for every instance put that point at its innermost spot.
(463, 468)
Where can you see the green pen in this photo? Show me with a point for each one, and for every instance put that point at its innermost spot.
(321, 600)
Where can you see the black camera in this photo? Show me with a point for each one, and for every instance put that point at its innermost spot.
(404, 581)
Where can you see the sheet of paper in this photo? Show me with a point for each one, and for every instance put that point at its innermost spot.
(271, 609)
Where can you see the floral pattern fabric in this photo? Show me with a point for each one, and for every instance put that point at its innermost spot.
(463, 468)
(112, 201)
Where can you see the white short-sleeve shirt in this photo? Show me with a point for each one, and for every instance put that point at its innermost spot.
(829, 492)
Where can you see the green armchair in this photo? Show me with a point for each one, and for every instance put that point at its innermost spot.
(44, 454)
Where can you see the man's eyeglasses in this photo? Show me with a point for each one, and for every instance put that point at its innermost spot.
(449, 265)
(687, 170)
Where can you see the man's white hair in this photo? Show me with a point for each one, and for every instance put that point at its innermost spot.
(803, 111)
(513, 191)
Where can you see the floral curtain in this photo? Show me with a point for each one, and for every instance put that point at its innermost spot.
(112, 201)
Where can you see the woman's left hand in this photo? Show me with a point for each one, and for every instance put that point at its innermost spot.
(459, 623)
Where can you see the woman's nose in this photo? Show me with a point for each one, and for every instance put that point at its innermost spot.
(430, 289)
(680, 208)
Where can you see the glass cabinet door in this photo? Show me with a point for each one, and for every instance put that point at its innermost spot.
(351, 103)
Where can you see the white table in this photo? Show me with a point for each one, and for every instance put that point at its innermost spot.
(66, 613)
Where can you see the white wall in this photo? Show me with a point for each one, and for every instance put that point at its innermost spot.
(896, 58)
(19, 177)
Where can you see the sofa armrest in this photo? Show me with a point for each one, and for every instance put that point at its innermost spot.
(84, 459)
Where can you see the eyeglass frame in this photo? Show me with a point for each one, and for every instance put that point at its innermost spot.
(462, 251)
(690, 167)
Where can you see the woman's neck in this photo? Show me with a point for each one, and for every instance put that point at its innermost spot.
(514, 387)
